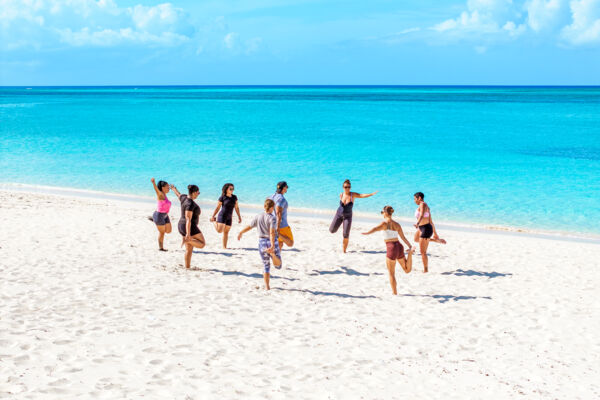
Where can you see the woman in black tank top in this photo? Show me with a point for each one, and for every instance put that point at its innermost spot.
(343, 214)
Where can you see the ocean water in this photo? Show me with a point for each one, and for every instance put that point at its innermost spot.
(515, 156)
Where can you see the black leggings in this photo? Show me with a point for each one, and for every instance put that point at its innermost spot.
(338, 220)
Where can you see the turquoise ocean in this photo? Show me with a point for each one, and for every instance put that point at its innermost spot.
(526, 157)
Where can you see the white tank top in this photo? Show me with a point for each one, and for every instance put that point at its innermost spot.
(389, 234)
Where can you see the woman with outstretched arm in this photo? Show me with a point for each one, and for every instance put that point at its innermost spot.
(343, 214)
(394, 250)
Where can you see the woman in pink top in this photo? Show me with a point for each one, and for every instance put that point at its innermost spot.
(161, 215)
(425, 228)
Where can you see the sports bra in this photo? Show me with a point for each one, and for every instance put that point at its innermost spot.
(418, 214)
(389, 234)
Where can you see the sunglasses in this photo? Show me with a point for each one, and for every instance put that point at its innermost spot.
(346, 187)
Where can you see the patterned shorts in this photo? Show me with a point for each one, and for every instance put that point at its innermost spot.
(263, 245)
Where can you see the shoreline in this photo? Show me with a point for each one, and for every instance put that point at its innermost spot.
(302, 212)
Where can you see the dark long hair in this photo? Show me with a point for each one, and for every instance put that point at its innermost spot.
(225, 188)
(193, 189)
(161, 184)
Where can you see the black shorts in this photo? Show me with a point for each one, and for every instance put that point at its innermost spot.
(160, 218)
(194, 230)
(225, 219)
(426, 231)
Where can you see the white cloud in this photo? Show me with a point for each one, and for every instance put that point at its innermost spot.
(576, 22)
(40, 24)
(230, 40)
(585, 26)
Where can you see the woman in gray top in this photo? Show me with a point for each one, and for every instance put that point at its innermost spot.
(268, 246)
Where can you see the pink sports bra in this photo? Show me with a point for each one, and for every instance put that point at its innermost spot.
(418, 214)
(163, 205)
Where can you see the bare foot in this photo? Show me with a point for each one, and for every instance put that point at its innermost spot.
(162, 249)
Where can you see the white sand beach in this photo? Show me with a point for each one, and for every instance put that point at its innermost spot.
(89, 308)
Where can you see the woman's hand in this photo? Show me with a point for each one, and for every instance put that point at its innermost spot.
(152, 180)
(416, 226)
(213, 219)
(239, 220)
(187, 237)
(364, 233)
(240, 236)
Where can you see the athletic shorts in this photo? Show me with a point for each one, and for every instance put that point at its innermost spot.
(287, 231)
(394, 250)
(160, 218)
(426, 231)
(225, 219)
(194, 230)
(263, 246)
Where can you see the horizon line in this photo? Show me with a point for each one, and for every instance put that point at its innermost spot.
(300, 86)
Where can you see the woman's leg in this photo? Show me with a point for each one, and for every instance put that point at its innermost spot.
(196, 241)
(423, 244)
(346, 232)
(226, 230)
(168, 227)
(189, 249)
(220, 227)
(161, 236)
(406, 263)
(391, 266)
(417, 236)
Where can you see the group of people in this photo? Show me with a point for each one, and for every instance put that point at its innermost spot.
(274, 230)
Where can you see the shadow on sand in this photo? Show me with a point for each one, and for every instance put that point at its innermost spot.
(319, 293)
(244, 274)
(344, 270)
(470, 272)
(218, 253)
(444, 298)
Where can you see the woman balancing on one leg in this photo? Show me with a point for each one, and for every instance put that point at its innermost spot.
(188, 223)
(344, 212)
(394, 250)
(227, 203)
(268, 246)
(425, 228)
(161, 215)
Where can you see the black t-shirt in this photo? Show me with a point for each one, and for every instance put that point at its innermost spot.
(188, 204)
(228, 204)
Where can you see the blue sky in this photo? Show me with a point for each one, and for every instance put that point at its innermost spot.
(137, 42)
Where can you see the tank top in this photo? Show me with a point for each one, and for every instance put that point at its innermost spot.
(164, 205)
(346, 209)
(389, 234)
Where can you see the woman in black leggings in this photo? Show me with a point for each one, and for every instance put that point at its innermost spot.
(344, 212)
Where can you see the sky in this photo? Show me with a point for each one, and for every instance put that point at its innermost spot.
(299, 42)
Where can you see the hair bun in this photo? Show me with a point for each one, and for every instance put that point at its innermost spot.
(190, 186)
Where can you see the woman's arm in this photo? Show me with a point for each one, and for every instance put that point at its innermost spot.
(363, 195)
(377, 228)
(237, 210)
(188, 223)
(159, 194)
(174, 189)
(401, 234)
(421, 212)
(219, 204)
(246, 229)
